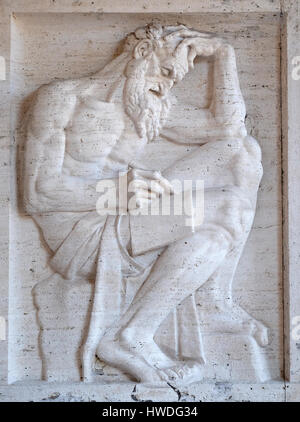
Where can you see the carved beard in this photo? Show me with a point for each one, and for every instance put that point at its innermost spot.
(147, 110)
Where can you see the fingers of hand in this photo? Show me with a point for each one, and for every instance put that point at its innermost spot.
(145, 186)
(207, 47)
(166, 185)
(145, 194)
(151, 180)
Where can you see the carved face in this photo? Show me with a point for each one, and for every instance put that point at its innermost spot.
(150, 76)
(168, 66)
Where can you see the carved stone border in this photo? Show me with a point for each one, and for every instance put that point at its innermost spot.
(290, 48)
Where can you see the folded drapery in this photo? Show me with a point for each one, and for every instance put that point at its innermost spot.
(96, 238)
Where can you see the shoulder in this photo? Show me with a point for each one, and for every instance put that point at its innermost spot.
(51, 107)
(61, 90)
(53, 102)
(64, 91)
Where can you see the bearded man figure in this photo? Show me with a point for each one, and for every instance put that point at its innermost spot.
(80, 132)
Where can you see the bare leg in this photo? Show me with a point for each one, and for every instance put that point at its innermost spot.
(185, 265)
(181, 269)
(219, 311)
(216, 297)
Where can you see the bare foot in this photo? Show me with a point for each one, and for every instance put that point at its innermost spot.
(185, 372)
(235, 320)
(153, 354)
(144, 361)
(259, 333)
(257, 329)
(124, 356)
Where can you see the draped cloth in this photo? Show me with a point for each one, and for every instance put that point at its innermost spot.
(96, 241)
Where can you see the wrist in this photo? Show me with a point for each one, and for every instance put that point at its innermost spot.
(225, 50)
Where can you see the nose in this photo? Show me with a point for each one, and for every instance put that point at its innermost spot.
(165, 86)
(169, 83)
(161, 87)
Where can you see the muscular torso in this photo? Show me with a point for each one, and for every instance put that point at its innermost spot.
(95, 139)
(100, 139)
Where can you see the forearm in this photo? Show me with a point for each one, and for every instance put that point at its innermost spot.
(200, 132)
(227, 104)
(224, 119)
(67, 194)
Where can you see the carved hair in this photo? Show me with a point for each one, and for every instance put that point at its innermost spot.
(147, 111)
(160, 35)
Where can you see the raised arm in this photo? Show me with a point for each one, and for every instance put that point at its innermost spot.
(226, 114)
(46, 187)
(227, 106)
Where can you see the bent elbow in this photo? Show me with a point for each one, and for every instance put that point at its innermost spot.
(36, 200)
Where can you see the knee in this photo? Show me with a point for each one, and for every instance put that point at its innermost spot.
(41, 288)
(219, 239)
(249, 168)
(44, 292)
(238, 213)
(252, 147)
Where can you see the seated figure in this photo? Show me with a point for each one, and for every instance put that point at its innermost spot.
(82, 131)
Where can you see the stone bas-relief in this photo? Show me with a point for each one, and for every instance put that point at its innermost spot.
(121, 295)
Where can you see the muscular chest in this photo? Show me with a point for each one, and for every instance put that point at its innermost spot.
(94, 129)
